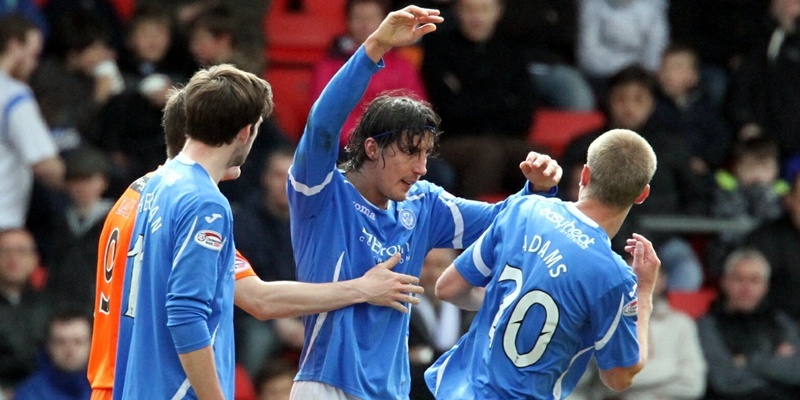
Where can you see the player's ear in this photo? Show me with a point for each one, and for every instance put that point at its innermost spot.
(244, 134)
(371, 149)
(645, 193)
(585, 176)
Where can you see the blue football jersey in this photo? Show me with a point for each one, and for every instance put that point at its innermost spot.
(178, 290)
(555, 295)
(338, 235)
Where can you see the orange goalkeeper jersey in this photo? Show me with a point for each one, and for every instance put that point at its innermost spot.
(112, 254)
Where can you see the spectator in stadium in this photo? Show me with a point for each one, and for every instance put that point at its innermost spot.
(23, 310)
(478, 83)
(613, 34)
(777, 240)
(752, 348)
(61, 374)
(26, 151)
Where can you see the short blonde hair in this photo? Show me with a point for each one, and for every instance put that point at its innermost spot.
(621, 163)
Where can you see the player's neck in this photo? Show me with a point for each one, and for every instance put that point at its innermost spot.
(368, 188)
(213, 159)
(610, 219)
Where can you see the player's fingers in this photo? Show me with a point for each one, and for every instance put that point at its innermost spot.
(412, 299)
(398, 306)
(424, 30)
(414, 289)
(391, 262)
(525, 167)
(420, 11)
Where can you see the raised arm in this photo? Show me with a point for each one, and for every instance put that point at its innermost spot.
(284, 299)
(645, 266)
(400, 28)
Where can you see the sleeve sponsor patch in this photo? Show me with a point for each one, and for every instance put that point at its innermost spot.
(631, 309)
(241, 264)
(209, 239)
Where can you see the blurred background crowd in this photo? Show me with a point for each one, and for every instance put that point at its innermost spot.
(713, 85)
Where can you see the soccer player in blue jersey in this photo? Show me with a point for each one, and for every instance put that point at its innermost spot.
(264, 300)
(550, 291)
(180, 284)
(344, 221)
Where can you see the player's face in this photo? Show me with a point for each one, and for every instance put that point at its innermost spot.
(241, 153)
(69, 344)
(402, 168)
(745, 285)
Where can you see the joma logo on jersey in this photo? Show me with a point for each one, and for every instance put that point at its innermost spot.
(365, 210)
(209, 239)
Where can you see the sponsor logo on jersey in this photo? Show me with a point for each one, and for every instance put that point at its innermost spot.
(567, 227)
(408, 219)
(365, 210)
(209, 239)
(240, 264)
(631, 309)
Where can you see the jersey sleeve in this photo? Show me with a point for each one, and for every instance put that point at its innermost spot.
(475, 264)
(192, 284)
(317, 152)
(27, 130)
(458, 222)
(613, 319)
(242, 267)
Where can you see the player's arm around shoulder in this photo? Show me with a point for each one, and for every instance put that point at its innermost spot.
(453, 288)
(645, 266)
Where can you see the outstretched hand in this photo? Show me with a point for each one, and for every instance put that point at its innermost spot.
(645, 260)
(381, 286)
(400, 28)
(542, 171)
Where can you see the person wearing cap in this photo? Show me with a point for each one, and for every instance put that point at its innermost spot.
(778, 240)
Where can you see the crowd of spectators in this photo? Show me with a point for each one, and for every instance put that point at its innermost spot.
(713, 86)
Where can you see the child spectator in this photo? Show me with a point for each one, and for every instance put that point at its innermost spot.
(152, 49)
(72, 270)
(750, 189)
(685, 109)
(213, 40)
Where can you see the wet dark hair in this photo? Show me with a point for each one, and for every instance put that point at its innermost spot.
(392, 118)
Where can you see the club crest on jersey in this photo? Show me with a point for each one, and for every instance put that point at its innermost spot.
(408, 219)
(209, 239)
(631, 309)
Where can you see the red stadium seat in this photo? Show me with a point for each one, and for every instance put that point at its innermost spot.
(299, 31)
(694, 304)
(554, 129)
(291, 92)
